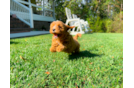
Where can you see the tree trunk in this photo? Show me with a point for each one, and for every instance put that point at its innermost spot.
(121, 13)
(108, 8)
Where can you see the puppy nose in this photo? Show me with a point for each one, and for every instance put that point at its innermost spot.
(53, 30)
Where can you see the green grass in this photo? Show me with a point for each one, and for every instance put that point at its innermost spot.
(99, 63)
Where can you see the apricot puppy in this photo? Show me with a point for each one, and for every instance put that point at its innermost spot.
(62, 41)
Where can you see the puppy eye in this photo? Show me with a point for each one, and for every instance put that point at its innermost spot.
(59, 26)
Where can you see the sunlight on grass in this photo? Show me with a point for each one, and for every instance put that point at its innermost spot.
(99, 63)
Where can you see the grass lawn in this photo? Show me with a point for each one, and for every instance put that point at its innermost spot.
(99, 63)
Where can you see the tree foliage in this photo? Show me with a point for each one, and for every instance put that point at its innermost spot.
(101, 15)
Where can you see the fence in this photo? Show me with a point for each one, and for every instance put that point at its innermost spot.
(22, 12)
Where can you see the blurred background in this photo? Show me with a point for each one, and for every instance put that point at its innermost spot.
(102, 15)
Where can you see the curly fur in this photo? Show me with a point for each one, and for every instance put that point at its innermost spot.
(62, 41)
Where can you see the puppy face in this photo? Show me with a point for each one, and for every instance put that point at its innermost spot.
(58, 28)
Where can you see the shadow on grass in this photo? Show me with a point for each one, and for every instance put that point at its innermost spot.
(11, 42)
(82, 54)
(88, 33)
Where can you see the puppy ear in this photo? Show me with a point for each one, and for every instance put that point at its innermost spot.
(69, 27)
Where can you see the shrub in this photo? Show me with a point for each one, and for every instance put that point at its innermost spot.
(97, 25)
(115, 25)
(107, 25)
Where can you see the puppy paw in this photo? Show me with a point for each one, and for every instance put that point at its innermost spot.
(59, 49)
(52, 49)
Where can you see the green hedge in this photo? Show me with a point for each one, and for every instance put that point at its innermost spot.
(114, 24)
